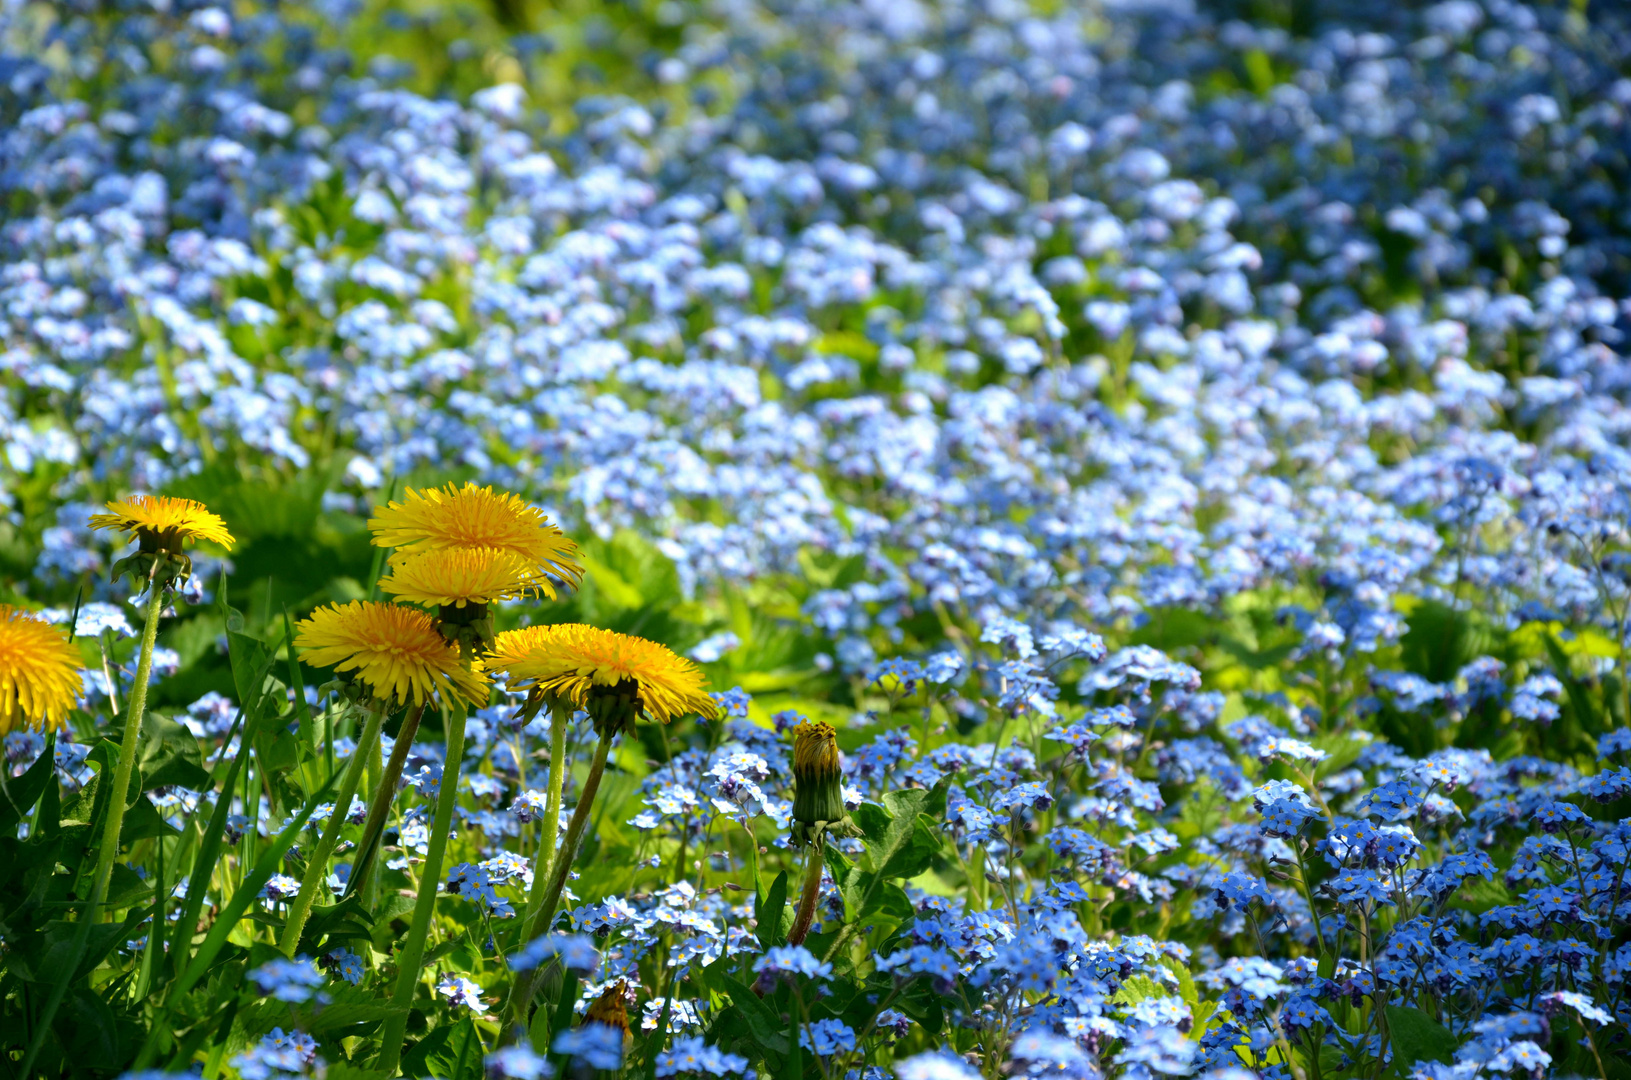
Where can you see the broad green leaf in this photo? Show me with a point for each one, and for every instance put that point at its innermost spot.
(902, 840)
(768, 911)
(417, 1060)
(143, 820)
(18, 794)
(768, 1029)
(170, 756)
(276, 748)
(209, 850)
(1418, 1037)
(251, 660)
(1139, 988)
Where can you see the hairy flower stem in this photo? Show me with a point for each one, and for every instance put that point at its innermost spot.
(430, 880)
(373, 830)
(317, 866)
(526, 983)
(116, 811)
(550, 825)
(813, 863)
(127, 747)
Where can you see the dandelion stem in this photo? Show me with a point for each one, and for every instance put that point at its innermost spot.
(413, 948)
(116, 812)
(526, 984)
(550, 826)
(127, 746)
(807, 898)
(317, 866)
(373, 830)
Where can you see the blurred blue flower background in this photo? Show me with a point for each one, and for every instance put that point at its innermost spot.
(1185, 445)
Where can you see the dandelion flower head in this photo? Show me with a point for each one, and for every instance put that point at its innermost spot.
(455, 577)
(39, 672)
(396, 650)
(577, 659)
(470, 517)
(160, 521)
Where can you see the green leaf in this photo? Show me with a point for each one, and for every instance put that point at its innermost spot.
(768, 1029)
(297, 682)
(902, 839)
(276, 748)
(18, 794)
(921, 1003)
(347, 1071)
(768, 911)
(347, 919)
(659, 1034)
(88, 1029)
(209, 851)
(1418, 1037)
(417, 1060)
(251, 661)
(126, 888)
(143, 820)
(170, 756)
(48, 958)
(1580, 700)
(1139, 988)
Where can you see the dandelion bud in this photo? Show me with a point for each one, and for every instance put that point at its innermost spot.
(818, 786)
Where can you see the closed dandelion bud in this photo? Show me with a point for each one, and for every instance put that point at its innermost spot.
(610, 1010)
(818, 785)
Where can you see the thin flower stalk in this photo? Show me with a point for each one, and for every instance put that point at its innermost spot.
(373, 828)
(129, 738)
(317, 868)
(549, 827)
(522, 990)
(805, 915)
(411, 955)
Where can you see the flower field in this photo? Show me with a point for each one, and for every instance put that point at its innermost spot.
(815, 539)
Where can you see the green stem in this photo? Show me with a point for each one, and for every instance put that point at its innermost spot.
(812, 892)
(562, 866)
(317, 866)
(526, 983)
(550, 825)
(373, 829)
(127, 749)
(115, 819)
(413, 949)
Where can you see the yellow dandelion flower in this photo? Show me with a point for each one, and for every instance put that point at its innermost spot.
(513, 646)
(396, 650)
(576, 660)
(39, 672)
(472, 517)
(454, 577)
(163, 523)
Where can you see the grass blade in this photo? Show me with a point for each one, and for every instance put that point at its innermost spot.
(265, 867)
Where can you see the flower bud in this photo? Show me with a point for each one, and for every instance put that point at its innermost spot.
(818, 786)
